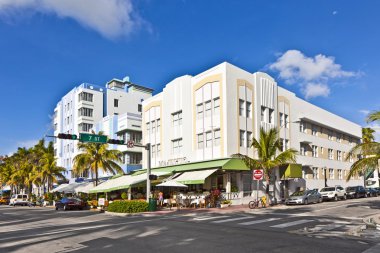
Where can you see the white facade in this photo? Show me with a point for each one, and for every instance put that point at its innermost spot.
(216, 113)
(86, 105)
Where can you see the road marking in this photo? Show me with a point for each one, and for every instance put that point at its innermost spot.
(210, 218)
(258, 221)
(233, 219)
(293, 223)
(327, 227)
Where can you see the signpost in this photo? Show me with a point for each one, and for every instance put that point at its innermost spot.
(257, 175)
(83, 137)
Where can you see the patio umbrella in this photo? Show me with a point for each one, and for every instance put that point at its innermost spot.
(172, 183)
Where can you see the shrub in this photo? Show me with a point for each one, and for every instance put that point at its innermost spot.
(128, 206)
(124, 195)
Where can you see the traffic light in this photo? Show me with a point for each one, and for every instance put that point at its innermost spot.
(152, 177)
(67, 136)
(114, 141)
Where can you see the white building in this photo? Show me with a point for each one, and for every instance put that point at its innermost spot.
(215, 114)
(84, 106)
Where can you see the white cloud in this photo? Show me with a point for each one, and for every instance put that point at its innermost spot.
(311, 73)
(335, 12)
(365, 112)
(316, 90)
(110, 18)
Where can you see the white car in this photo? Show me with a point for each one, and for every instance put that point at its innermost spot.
(19, 199)
(334, 192)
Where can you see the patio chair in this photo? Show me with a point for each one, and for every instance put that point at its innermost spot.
(202, 202)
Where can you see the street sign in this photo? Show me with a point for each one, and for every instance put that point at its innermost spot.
(130, 144)
(258, 174)
(83, 137)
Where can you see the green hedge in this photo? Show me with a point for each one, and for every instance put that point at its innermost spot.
(128, 206)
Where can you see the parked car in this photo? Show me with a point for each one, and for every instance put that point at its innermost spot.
(356, 192)
(334, 192)
(371, 192)
(70, 203)
(4, 201)
(19, 199)
(304, 197)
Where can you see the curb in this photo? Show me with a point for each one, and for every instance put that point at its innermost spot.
(372, 221)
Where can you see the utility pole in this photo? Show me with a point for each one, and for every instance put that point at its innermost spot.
(147, 148)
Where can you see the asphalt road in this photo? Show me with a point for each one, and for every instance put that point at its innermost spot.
(314, 228)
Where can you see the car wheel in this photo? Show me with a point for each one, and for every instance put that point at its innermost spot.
(305, 202)
(336, 198)
(320, 200)
(56, 208)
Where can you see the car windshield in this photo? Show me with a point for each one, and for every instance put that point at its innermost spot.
(299, 193)
(328, 189)
(351, 188)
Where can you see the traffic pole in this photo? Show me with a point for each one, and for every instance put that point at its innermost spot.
(147, 147)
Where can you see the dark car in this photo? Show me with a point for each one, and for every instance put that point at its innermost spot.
(371, 192)
(356, 192)
(304, 197)
(69, 204)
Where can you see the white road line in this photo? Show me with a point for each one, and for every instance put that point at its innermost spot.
(233, 219)
(209, 218)
(293, 223)
(258, 221)
(326, 227)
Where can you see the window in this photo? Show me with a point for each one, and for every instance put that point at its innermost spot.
(339, 137)
(286, 145)
(139, 107)
(177, 146)
(286, 119)
(315, 173)
(217, 137)
(208, 139)
(314, 151)
(116, 102)
(242, 138)
(84, 127)
(339, 155)
(177, 118)
(133, 158)
(314, 130)
(85, 96)
(281, 116)
(208, 108)
(302, 127)
(199, 111)
(330, 135)
(216, 106)
(153, 151)
(331, 173)
(241, 107)
(322, 150)
(331, 154)
(153, 126)
(147, 128)
(200, 140)
(263, 113)
(302, 149)
(159, 125)
(340, 175)
(248, 109)
(271, 116)
(158, 149)
(87, 112)
(249, 139)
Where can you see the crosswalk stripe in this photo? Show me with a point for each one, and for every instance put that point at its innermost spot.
(326, 227)
(210, 218)
(258, 221)
(233, 219)
(289, 224)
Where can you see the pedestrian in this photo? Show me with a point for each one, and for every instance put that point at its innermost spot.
(160, 198)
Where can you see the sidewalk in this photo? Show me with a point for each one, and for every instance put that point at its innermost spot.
(373, 221)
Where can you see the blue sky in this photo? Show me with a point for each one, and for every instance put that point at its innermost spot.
(324, 51)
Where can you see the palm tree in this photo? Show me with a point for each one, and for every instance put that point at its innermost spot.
(368, 150)
(269, 153)
(96, 156)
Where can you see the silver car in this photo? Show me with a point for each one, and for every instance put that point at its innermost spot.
(304, 197)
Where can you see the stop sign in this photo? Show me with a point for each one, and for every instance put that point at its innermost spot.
(258, 174)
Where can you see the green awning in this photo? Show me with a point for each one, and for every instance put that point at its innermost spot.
(224, 164)
(194, 177)
(292, 170)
